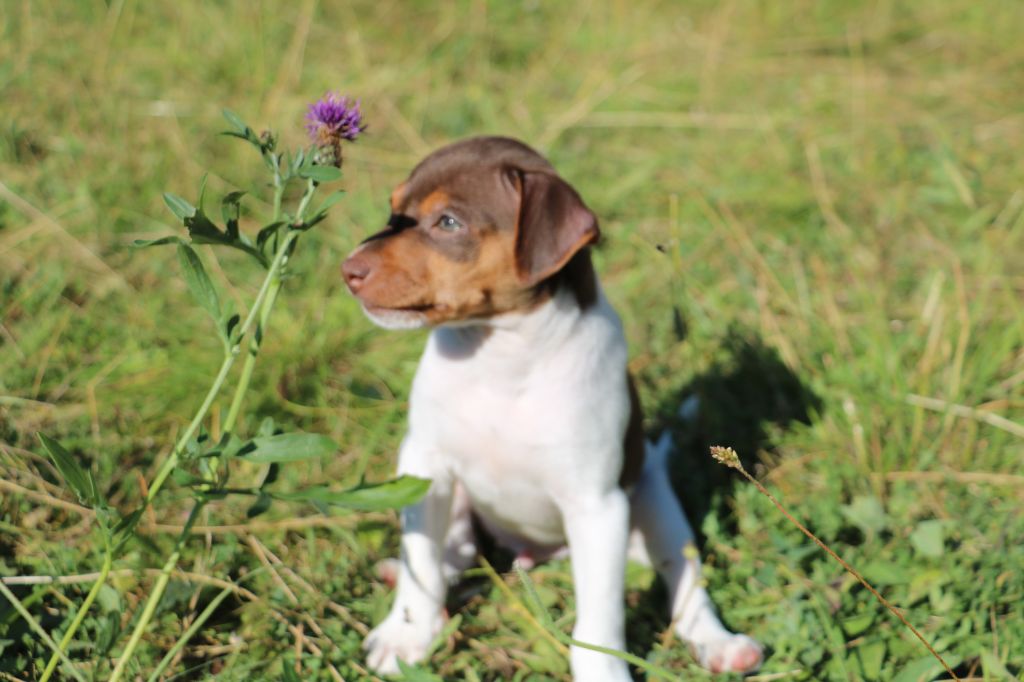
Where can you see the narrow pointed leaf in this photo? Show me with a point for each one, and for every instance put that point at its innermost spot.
(230, 210)
(71, 470)
(264, 235)
(306, 224)
(288, 447)
(393, 494)
(202, 190)
(198, 281)
(179, 207)
(321, 173)
(143, 243)
(235, 120)
(331, 200)
(261, 505)
(204, 231)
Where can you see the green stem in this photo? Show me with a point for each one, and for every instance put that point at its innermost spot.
(304, 203)
(280, 257)
(108, 561)
(278, 187)
(268, 305)
(158, 592)
(250, 358)
(34, 624)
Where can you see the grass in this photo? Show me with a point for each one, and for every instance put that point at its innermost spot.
(813, 214)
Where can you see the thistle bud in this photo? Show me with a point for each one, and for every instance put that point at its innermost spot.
(329, 121)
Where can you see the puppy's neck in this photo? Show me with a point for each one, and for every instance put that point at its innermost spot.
(562, 300)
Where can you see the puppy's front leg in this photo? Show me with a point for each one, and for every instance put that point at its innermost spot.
(598, 529)
(418, 612)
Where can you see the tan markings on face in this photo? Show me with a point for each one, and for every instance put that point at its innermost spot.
(483, 287)
(410, 275)
(397, 195)
(437, 199)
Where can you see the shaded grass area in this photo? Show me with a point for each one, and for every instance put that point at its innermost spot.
(813, 213)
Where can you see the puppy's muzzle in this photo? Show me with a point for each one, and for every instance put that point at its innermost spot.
(356, 270)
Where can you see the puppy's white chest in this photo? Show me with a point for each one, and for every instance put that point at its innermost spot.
(526, 421)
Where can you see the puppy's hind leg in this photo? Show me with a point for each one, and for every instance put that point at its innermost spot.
(460, 543)
(669, 542)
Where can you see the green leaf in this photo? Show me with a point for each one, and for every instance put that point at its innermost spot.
(393, 494)
(858, 624)
(261, 505)
(228, 327)
(993, 667)
(198, 281)
(869, 658)
(321, 173)
(297, 161)
(80, 481)
(267, 427)
(288, 673)
(288, 447)
(928, 538)
(143, 243)
(185, 479)
(109, 600)
(921, 670)
(230, 208)
(310, 222)
(867, 513)
(331, 200)
(179, 207)
(265, 233)
(235, 120)
(202, 230)
(202, 190)
(884, 572)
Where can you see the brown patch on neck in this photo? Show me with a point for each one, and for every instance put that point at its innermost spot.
(634, 448)
(577, 276)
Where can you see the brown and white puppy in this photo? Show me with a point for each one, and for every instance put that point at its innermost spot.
(522, 411)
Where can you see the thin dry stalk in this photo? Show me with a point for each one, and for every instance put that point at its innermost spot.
(966, 412)
(729, 458)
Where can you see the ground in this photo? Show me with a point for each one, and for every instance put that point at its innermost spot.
(813, 219)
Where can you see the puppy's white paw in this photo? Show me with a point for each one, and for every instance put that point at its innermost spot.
(400, 637)
(732, 653)
(589, 666)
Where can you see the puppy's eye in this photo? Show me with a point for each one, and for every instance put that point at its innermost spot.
(449, 224)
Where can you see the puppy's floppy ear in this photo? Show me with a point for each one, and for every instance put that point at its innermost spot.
(551, 226)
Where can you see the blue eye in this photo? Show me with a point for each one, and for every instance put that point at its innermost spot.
(449, 224)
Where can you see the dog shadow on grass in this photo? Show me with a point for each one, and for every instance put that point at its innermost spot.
(743, 400)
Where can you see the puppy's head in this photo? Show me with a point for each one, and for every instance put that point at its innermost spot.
(476, 230)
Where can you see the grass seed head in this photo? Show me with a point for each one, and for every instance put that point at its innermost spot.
(726, 456)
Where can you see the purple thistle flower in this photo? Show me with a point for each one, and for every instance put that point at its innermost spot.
(334, 118)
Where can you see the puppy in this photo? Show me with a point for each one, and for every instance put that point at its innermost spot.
(522, 411)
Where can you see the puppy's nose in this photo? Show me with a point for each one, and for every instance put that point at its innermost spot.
(355, 270)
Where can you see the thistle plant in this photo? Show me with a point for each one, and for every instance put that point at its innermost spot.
(201, 461)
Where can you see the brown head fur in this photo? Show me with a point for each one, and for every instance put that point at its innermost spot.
(481, 227)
